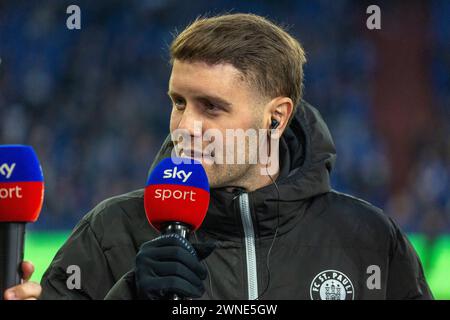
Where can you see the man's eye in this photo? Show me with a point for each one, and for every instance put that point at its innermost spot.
(210, 107)
(180, 104)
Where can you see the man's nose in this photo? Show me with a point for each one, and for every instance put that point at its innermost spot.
(191, 122)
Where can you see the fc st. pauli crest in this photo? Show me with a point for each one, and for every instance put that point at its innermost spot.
(331, 285)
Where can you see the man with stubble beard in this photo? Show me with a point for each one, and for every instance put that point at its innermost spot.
(241, 71)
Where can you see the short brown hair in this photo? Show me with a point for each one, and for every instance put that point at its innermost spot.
(264, 52)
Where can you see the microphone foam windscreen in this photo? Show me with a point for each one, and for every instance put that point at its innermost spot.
(177, 190)
(21, 184)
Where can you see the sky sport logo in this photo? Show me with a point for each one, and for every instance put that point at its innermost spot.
(9, 192)
(331, 285)
(6, 170)
(175, 173)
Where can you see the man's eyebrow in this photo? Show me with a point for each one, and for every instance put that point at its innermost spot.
(172, 93)
(212, 98)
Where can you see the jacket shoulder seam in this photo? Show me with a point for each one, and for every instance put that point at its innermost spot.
(361, 201)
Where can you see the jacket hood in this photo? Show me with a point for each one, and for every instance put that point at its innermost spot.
(307, 156)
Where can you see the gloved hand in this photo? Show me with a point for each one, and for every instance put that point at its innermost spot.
(170, 265)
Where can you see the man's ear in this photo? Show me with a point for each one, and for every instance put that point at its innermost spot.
(280, 110)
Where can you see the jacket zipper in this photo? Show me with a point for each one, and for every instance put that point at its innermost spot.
(250, 248)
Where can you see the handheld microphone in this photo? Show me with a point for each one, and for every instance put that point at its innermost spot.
(176, 197)
(21, 199)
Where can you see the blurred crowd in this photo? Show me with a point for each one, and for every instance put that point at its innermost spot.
(93, 104)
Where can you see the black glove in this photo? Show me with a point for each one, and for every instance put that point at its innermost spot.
(170, 265)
